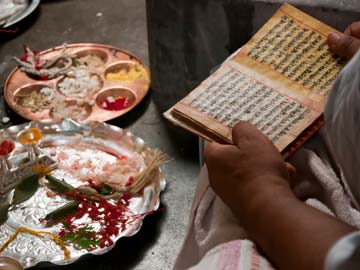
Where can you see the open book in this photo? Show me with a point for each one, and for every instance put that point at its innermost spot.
(278, 81)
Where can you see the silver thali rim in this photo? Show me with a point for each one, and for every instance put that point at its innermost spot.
(134, 228)
(32, 6)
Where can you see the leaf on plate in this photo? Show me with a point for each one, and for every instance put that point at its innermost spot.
(113, 196)
(26, 189)
(84, 237)
(105, 189)
(87, 190)
(58, 186)
(62, 211)
(4, 209)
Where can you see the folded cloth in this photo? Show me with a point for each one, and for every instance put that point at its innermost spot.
(211, 223)
(215, 238)
(314, 164)
(234, 255)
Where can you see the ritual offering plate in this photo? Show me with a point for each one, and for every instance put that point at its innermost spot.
(77, 189)
(84, 82)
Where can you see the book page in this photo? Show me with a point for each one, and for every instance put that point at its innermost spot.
(230, 96)
(278, 81)
(292, 48)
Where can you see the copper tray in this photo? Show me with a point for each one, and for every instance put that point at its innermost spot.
(19, 83)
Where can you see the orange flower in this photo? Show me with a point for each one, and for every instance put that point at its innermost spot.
(31, 136)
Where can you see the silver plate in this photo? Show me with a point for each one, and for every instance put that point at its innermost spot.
(30, 250)
(33, 4)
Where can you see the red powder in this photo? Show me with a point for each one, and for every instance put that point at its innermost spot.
(118, 104)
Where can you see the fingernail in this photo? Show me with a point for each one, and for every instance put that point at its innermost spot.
(333, 39)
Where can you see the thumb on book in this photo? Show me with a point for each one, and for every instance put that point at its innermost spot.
(343, 45)
(244, 133)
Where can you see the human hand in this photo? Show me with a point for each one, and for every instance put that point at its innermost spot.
(252, 166)
(347, 43)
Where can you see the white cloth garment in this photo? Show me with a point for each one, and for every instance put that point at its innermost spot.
(342, 115)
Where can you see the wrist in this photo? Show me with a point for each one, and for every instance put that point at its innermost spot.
(263, 193)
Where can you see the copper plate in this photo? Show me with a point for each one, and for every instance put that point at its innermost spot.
(18, 82)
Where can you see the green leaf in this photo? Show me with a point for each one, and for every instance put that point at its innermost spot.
(84, 237)
(81, 241)
(87, 190)
(113, 196)
(65, 224)
(58, 186)
(26, 189)
(4, 209)
(62, 211)
(106, 189)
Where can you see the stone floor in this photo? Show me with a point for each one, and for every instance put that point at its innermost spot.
(120, 23)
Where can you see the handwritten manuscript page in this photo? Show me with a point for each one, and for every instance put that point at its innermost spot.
(278, 81)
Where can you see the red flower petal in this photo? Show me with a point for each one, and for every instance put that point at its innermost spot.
(24, 58)
(6, 147)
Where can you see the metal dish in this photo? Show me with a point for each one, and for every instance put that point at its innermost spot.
(19, 85)
(33, 4)
(30, 250)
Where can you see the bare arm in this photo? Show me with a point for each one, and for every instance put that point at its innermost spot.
(252, 179)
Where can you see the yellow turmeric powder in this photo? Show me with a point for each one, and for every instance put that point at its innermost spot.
(133, 73)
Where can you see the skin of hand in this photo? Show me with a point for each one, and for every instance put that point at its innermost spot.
(251, 177)
(346, 44)
(243, 166)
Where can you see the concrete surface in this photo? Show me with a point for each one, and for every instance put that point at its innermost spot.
(121, 23)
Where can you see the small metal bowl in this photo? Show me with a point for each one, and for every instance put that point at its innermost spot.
(7, 263)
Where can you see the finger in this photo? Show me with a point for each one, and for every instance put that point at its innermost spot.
(343, 45)
(216, 155)
(244, 132)
(210, 149)
(353, 30)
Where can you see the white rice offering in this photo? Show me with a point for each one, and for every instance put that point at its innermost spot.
(48, 92)
(79, 83)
